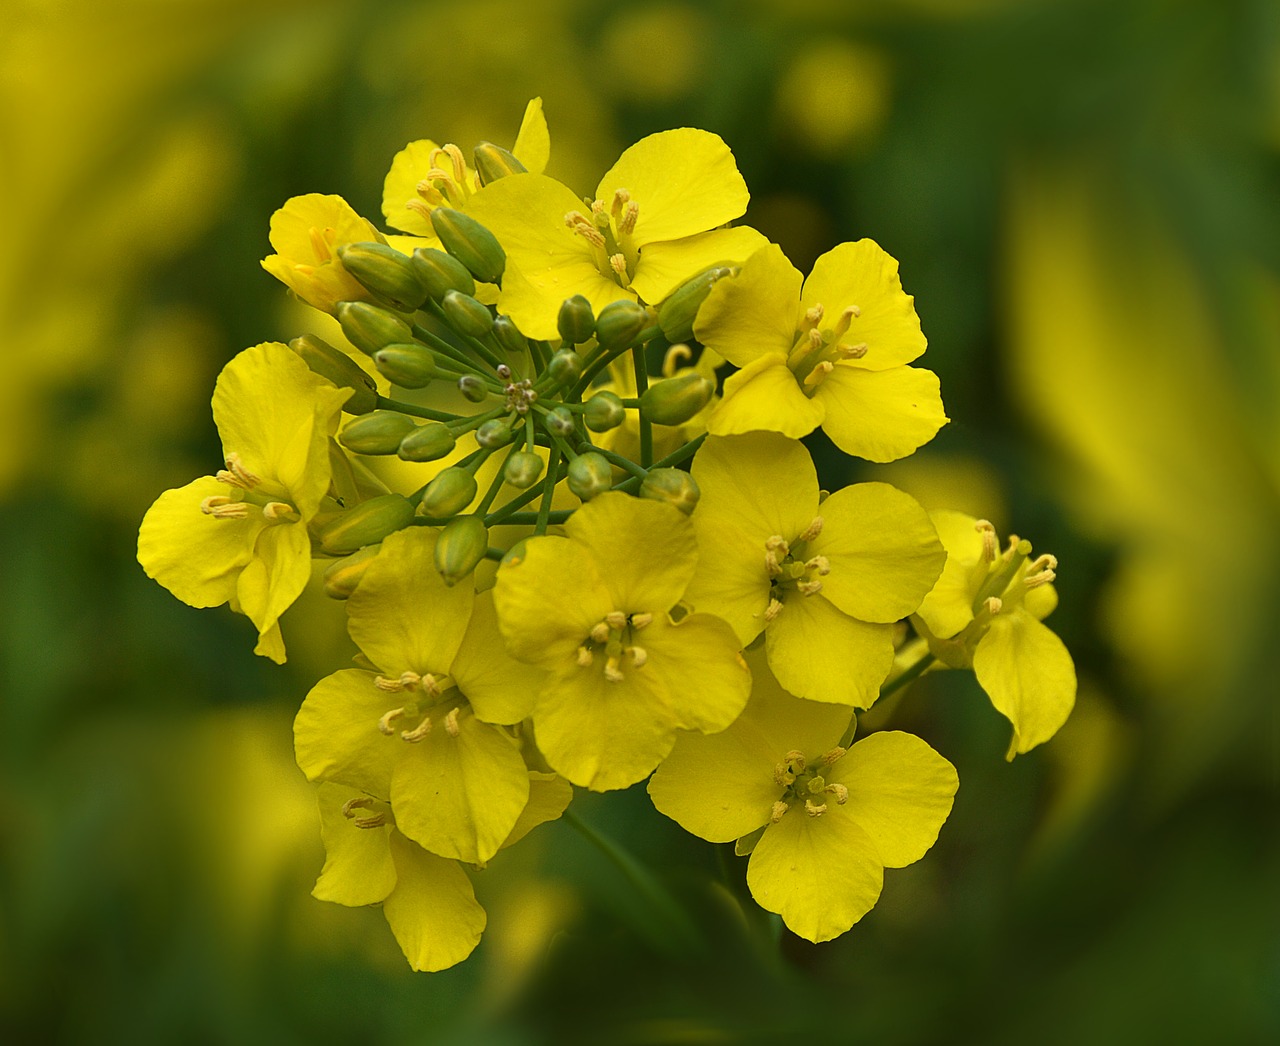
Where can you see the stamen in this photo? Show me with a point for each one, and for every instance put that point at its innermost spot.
(359, 802)
(819, 563)
(390, 686)
(1044, 561)
(639, 655)
(376, 821)
(577, 221)
(994, 605)
(852, 352)
(812, 317)
(627, 225)
(424, 208)
(585, 657)
(616, 619)
(384, 724)
(839, 791)
(279, 512)
(621, 198)
(237, 475)
(842, 323)
(814, 809)
(430, 684)
(990, 546)
(224, 508)
(796, 759)
(641, 621)
(459, 163)
(451, 723)
(811, 531)
(675, 355)
(1036, 580)
(819, 374)
(779, 810)
(772, 610)
(777, 543)
(618, 263)
(321, 243)
(782, 775)
(418, 733)
(809, 588)
(600, 633)
(771, 565)
(834, 756)
(611, 671)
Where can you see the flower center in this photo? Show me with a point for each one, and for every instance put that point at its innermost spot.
(609, 231)
(818, 349)
(446, 183)
(804, 783)
(246, 494)
(791, 570)
(433, 700)
(613, 639)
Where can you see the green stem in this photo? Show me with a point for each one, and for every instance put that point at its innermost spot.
(413, 410)
(646, 426)
(624, 463)
(548, 491)
(674, 458)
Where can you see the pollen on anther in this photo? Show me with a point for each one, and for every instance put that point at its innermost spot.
(384, 724)
(772, 611)
(616, 619)
(224, 508)
(418, 733)
(778, 812)
(612, 672)
(809, 588)
(585, 657)
(812, 530)
(994, 605)
(627, 223)
(638, 655)
(796, 760)
(814, 809)
(840, 792)
(835, 755)
(1038, 579)
(451, 723)
(600, 633)
(359, 802)
(990, 547)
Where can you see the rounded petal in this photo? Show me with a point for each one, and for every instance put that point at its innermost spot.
(408, 168)
(358, 869)
(764, 395)
(730, 582)
(685, 181)
(862, 274)
(1028, 673)
(881, 415)
(533, 302)
(293, 224)
(402, 614)
(336, 735)
(460, 796)
(900, 792)
(697, 667)
(533, 142)
(273, 579)
(821, 874)
(500, 688)
(433, 910)
(754, 313)
(549, 797)
(663, 266)
(948, 607)
(820, 653)
(884, 553)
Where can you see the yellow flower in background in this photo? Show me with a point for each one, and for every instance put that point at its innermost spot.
(306, 234)
(240, 537)
(832, 354)
(652, 224)
(986, 611)
(592, 608)
(821, 822)
(418, 730)
(823, 582)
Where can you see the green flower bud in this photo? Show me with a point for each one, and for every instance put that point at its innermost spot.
(467, 315)
(565, 366)
(343, 575)
(508, 335)
(427, 442)
(673, 401)
(470, 242)
(410, 366)
(677, 313)
(378, 432)
(366, 524)
(673, 486)
(619, 322)
(441, 273)
(460, 546)
(340, 369)
(473, 388)
(371, 327)
(590, 474)
(494, 162)
(494, 433)
(448, 494)
(560, 421)
(386, 272)
(604, 412)
(576, 321)
(522, 469)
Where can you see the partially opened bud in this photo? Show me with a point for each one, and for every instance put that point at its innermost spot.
(378, 432)
(427, 442)
(460, 546)
(674, 401)
(673, 486)
(448, 494)
(470, 242)
(343, 575)
(366, 524)
(371, 327)
(386, 272)
(494, 162)
(339, 368)
(677, 313)
(590, 474)
(576, 322)
(441, 273)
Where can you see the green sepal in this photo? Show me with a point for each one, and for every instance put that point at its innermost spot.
(371, 327)
(411, 366)
(378, 432)
(590, 474)
(385, 272)
(493, 162)
(619, 322)
(461, 545)
(428, 442)
(448, 494)
(343, 575)
(440, 273)
(467, 315)
(339, 368)
(366, 524)
(677, 313)
(575, 321)
(471, 243)
(604, 411)
(673, 401)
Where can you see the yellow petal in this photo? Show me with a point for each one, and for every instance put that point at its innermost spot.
(764, 395)
(432, 911)
(753, 313)
(862, 274)
(1028, 673)
(900, 792)
(549, 797)
(533, 142)
(948, 607)
(685, 181)
(883, 551)
(273, 579)
(663, 266)
(696, 666)
(336, 735)
(820, 653)
(408, 168)
(292, 225)
(534, 303)
(500, 688)
(358, 869)
(881, 415)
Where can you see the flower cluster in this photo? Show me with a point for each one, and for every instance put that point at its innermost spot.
(552, 466)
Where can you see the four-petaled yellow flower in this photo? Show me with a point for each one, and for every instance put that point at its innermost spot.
(240, 537)
(824, 582)
(834, 354)
(986, 612)
(593, 609)
(833, 819)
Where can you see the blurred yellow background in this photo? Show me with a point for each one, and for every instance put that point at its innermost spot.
(1083, 197)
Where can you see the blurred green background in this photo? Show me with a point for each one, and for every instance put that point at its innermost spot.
(1083, 197)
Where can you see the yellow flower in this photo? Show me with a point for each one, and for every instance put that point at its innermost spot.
(241, 537)
(306, 234)
(428, 900)
(418, 731)
(832, 819)
(824, 582)
(592, 608)
(834, 355)
(653, 223)
(986, 611)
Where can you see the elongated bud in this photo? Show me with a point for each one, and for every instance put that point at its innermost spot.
(378, 432)
(386, 272)
(440, 273)
(494, 162)
(522, 469)
(619, 322)
(471, 243)
(409, 366)
(576, 322)
(427, 442)
(467, 315)
(677, 313)
(604, 411)
(370, 327)
(673, 401)
(508, 335)
(565, 366)
(559, 421)
(343, 575)
(672, 486)
(590, 474)
(494, 433)
(366, 524)
(461, 545)
(339, 368)
(448, 494)
(473, 388)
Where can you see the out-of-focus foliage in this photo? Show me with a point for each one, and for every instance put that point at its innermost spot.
(1081, 195)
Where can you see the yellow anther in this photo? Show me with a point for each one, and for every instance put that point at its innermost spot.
(627, 223)
(456, 159)
(993, 605)
(809, 588)
(814, 809)
(362, 802)
(418, 733)
(384, 724)
(237, 475)
(618, 263)
(616, 619)
(451, 722)
(279, 512)
(819, 374)
(990, 546)
(834, 756)
(1044, 561)
(782, 775)
(811, 531)
(852, 352)
(839, 791)
(639, 655)
(423, 208)
(772, 610)
(842, 323)
(640, 621)
(1043, 577)
(796, 760)
(675, 355)
(771, 565)
(819, 563)
(585, 657)
(578, 222)
(224, 508)
(812, 317)
(322, 243)
(598, 216)
(777, 543)
(611, 671)
(429, 683)
(621, 198)
(600, 633)
(779, 810)
(391, 686)
(359, 802)
(376, 821)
